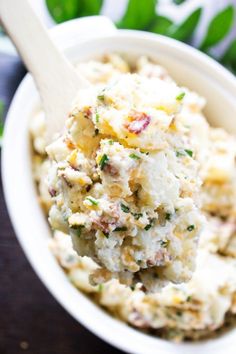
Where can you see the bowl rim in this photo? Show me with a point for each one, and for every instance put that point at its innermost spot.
(137, 342)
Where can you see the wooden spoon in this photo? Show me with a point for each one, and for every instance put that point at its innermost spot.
(55, 77)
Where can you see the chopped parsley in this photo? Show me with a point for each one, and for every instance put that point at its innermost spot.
(78, 229)
(132, 287)
(100, 288)
(122, 228)
(92, 200)
(179, 153)
(97, 117)
(190, 227)
(134, 156)
(164, 243)
(189, 152)
(180, 96)
(101, 97)
(137, 215)
(147, 227)
(189, 298)
(103, 161)
(106, 234)
(110, 142)
(125, 208)
(184, 152)
(168, 216)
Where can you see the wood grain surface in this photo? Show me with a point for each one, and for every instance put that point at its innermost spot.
(31, 321)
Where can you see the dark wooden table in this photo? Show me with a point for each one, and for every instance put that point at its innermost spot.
(31, 321)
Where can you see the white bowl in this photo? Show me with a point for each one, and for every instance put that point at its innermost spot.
(189, 67)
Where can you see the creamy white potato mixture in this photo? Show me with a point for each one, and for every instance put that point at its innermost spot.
(130, 181)
(124, 182)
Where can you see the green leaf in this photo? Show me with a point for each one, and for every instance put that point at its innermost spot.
(218, 28)
(64, 10)
(184, 31)
(178, 2)
(139, 14)
(161, 25)
(229, 57)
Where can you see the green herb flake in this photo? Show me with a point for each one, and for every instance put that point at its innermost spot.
(97, 118)
(137, 215)
(180, 96)
(100, 288)
(78, 229)
(168, 216)
(147, 227)
(110, 142)
(164, 243)
(122, 228)
(179, 153)
(189, 298)
(189, 152)
(125, 208)
(190, 227)
(132, 287)
(103, 161)
(134, 156)
(101, 97)
(106, 234)
(92, 200)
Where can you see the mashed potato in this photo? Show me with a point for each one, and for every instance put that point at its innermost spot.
(156, 221)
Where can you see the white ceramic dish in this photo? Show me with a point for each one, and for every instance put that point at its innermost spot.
(189, 67)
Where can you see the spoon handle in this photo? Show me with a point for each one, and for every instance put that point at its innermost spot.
(55, 77)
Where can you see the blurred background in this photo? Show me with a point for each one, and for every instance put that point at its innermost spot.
(31, 320)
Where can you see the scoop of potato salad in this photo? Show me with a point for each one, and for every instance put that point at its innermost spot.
(125, 182)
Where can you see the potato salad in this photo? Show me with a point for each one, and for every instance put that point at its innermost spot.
(136, 186)
(124, 182)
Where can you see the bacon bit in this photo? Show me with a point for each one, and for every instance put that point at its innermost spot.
(138, 320)
(160, 258)
(87, 112)
(52, 192)
(111, 170)
(114, 211)
(143, 288)
(139, 122)
(104, 222)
